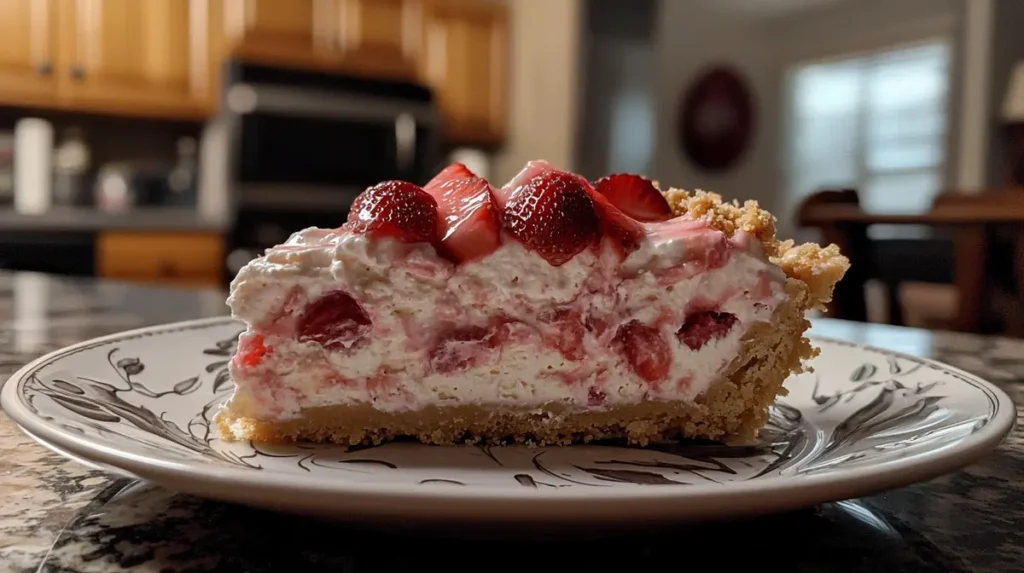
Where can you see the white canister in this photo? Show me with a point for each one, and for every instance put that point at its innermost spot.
(33, 166)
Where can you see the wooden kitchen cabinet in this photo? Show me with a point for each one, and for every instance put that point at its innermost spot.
(378, 37)
(111, 56)
(286, 32)
(164, 58)
(375, 38)
(148, 58)
(465, 60)
(168, 257)
(28, 41)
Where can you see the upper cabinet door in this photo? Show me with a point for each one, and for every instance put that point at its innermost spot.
(378, 37)
(129, 56)
(287, 31)
(466, 62)
(27, 52)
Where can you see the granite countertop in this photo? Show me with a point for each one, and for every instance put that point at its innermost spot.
(81, 219)
(57, 515)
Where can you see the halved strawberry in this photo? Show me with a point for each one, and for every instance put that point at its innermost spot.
(396, 209)
(470, 225)
(553, 215)
(521, 179)
(636, 196)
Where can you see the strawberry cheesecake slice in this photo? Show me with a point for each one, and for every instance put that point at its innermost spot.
(551, 310)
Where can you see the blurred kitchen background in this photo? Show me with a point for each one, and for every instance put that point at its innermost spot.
(170, 141)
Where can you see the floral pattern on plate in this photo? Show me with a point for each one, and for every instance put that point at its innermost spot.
(154, 393)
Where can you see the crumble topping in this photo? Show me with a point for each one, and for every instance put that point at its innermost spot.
(818, 267)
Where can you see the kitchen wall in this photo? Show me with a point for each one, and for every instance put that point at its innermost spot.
(690, 36)
(616, 130)
(763, 46)
(544, 82)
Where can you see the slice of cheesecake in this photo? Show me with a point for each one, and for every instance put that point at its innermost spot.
(550, 310)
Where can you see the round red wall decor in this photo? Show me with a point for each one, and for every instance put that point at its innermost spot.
(716, 119)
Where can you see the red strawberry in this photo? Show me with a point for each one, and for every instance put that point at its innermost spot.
(464, 347)
(705, 325)
(251, 350)
(622, 229)
(470, 224)
(635, 196)
(568, 335)
(334, 320)
(645, 350)
(596, 325)
(706, 246)
(396, 209)
(553, 215)
(532, 169)
(453, 171)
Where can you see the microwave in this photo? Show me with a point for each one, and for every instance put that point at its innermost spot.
(293, 148)
(300, 139)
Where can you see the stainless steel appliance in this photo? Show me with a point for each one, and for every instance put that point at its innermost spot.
(299, 146)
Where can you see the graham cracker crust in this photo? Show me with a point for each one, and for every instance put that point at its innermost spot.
(735, 406)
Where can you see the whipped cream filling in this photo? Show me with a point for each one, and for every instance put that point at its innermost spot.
(407, 290)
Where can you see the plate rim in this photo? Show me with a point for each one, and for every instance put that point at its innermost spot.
(858, 481)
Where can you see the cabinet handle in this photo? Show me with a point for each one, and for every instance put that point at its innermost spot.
(167, 270)
(45, 68)
(77, 73)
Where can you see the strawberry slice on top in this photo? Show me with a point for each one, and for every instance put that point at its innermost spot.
(470, 223)
(625, 232)
(397, 209)
(551, 213)
(533, 169)
(635, 196)
(452, 172)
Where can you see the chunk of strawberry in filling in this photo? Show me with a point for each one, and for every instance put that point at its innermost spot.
(645, 350)
(466, 347)
(566, 332)
(705, 325)
(595, 397)
(334, 321)
(251, 350)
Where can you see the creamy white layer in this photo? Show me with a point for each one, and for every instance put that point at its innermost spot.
(407, 291)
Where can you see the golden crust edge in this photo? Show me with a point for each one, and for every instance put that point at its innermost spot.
(818, 267)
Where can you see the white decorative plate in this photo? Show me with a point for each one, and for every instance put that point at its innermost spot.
(866, 420)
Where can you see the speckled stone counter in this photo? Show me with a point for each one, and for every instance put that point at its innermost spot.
(57, 515)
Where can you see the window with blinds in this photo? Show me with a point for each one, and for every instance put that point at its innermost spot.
(875, 123)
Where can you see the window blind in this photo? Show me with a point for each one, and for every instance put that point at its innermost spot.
(876, 123)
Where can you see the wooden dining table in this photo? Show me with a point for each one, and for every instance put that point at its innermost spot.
(973, 219)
